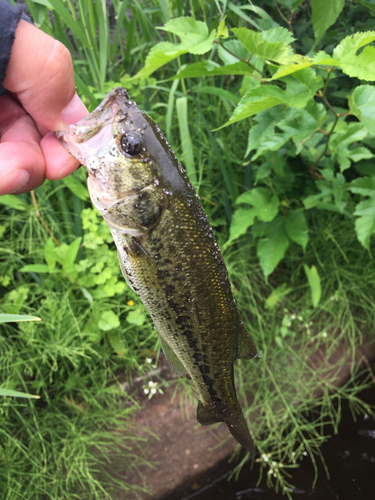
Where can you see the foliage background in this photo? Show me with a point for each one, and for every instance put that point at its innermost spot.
(270, 107)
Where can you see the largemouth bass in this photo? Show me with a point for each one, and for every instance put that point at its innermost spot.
(167, 251)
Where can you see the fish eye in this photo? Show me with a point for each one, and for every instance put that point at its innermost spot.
(131, 143)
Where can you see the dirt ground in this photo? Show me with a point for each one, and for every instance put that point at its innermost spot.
(185, 450)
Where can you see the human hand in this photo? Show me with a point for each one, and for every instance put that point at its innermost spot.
(41, 80)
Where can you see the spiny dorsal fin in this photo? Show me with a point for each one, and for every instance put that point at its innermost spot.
(246, 348)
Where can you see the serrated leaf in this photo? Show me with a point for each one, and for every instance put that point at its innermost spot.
(272, 249)
(35, 268)
(108, 321)
(265, 204)
(9, 318)
(364, 186)
(324, 14)
(314, 282)
(291, 68)
(362, 65)
(296, 227)
(366, 207)
(266, 123)
(324, 59)
(222, 30)
(365, 228)
(13, 201)
(242, 219)
(301, 87)
(276, 295)
(362, 105)
(278, 34)
(259, 46)
(195, 39)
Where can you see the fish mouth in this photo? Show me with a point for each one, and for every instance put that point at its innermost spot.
(87, 137)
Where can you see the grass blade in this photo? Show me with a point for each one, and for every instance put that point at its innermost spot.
(186, 143)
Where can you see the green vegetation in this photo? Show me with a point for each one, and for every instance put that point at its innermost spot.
(270, 106)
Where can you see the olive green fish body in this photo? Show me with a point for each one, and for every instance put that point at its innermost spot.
(167, 253)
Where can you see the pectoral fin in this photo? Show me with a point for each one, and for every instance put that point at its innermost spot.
(173, 359)
(122, 267)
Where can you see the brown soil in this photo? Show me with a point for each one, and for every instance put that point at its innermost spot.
(185, 450)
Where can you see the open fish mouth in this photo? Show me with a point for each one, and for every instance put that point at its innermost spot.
(91, 135)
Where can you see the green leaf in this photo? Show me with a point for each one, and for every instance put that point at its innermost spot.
(297, 64)
(242, 219)
(278, 34)
(222, 30)
(49, 253)
(300, 88)
(222, 93)
(117, 343)
(9, 318)
(257, 45)
(296, 227)
(272, 249)
(13, 201)
(365, 227)
(276, 295)
(210, 68)
(362, 105)
(364, 186)
(186, 142)
(314, 282)
(265, 204)
(324, 14)
(108, 321)
(76, 187)
(362, 65)
(193, 34)
(71, 253)
(195, 39)
(17, 394)
(35, 268)
(136, 317)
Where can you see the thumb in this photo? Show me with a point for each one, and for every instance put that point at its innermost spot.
(40, 72)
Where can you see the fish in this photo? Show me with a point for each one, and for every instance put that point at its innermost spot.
(167, 251)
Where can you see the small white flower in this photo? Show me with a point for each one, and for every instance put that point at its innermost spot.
(265, 458)
(324, 334)
(304, 453)
(146, 391)
(153, 390)
(148, 360)
(151, 383)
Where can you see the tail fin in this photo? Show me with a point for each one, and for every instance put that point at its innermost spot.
(207, 415)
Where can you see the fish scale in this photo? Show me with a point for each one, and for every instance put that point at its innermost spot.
(167, 251)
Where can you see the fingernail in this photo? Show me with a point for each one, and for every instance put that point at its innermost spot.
(74, 111)
(15, 182)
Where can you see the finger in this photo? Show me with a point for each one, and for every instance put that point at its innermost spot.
(40, 72)
(22, 165)
(59, 163)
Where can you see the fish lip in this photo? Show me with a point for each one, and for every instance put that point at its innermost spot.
(87, 128)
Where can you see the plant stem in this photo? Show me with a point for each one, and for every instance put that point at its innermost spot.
(38, 214)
